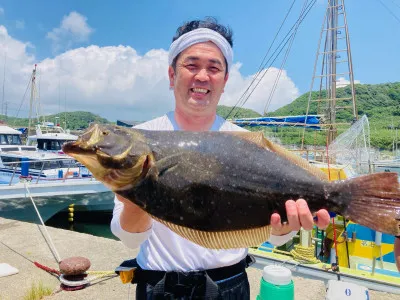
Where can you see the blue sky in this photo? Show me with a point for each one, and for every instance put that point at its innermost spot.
(61, 36)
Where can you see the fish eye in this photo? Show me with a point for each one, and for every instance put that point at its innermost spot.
(105, 132)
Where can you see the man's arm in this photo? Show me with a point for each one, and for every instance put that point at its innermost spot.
(130, 223)
(397, 251)
(132, 218)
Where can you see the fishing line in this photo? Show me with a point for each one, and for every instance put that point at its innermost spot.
(271, 94)
(298, 22)
(279, 49)
(265, 56)
(395, 3)
(23, 97)
(389, 10)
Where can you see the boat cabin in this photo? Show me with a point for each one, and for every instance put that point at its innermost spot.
(9, 136)
(50, 137)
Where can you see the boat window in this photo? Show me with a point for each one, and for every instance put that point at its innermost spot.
(10, 139)
(14, 139)
(10, 161)
(47, 165)
(3, 139)
(54, 145)
(10, 149)
(68, 163)
(28, 148)
(52, 164)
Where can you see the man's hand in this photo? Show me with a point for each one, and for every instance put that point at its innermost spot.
(299, 215)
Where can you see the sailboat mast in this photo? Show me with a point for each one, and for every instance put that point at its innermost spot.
(33, 84)
(332, 79)
(334, 55)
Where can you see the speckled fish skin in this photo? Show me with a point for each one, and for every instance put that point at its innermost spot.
(219, 182)
(215, 182)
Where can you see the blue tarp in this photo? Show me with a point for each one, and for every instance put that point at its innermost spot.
(22, 129)
(311, 121)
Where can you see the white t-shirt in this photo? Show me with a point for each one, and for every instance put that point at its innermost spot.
(164, 250)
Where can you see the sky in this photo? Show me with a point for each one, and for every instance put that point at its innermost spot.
(110, 57)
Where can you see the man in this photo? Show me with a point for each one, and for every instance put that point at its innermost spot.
(199, 61)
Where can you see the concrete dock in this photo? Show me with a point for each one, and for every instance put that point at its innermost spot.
(21, 244)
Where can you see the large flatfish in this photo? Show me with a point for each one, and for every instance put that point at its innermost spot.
(219, 189)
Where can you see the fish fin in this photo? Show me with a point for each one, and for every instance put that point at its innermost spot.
(222, 239)
(259, 139)
(374, 201)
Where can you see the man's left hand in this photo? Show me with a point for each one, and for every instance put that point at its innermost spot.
(299, 215)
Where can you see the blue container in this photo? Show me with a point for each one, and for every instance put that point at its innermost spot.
(25, 166)
(60, 174)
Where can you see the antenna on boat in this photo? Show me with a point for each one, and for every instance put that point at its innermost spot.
(4, 81)
(33, 95)
(334, 58)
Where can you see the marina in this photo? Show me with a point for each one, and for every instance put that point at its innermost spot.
(52, 207)
(22, 243)
(42, 172)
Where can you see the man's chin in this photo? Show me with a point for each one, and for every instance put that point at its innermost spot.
(199, 103)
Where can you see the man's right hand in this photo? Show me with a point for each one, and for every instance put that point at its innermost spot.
(133, 218)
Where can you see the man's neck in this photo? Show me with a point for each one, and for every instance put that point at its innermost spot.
(194, 123)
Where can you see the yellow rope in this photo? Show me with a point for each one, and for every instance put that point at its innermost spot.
(100, 274)
(304, 254)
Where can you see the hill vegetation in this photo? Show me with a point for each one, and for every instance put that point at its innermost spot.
(380, 102)
(224, 111)
(71, 120)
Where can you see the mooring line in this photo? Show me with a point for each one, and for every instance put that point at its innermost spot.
(49, 239)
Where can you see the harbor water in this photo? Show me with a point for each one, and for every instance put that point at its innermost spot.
(90, 222)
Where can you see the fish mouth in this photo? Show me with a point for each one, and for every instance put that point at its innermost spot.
(113, 178)
(77, 147)
(116, 170)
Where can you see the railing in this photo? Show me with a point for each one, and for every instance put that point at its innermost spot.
(16, 167)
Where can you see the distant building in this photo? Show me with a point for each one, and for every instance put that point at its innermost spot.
(128, 123)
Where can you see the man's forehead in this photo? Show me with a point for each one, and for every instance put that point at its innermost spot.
(209, 48)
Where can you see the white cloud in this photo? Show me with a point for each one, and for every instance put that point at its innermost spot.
(19, 24)
(1, 11)
(73, 30)
(115, 82)
(285, 92)
(342, 82)
(16, 64)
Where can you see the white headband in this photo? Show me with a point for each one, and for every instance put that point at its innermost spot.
(201, 35)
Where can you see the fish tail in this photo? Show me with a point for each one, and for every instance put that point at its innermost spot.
(370, 200)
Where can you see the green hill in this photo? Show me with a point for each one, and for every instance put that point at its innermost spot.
(380, 102)
(223, 111)
(74, 120)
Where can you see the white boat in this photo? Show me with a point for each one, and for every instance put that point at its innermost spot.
(50, 137)
(53, 180)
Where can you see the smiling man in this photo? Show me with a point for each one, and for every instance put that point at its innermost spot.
(170, 266)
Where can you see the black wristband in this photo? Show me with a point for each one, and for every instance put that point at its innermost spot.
(398, 236)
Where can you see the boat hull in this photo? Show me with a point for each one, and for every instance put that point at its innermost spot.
(50, 198)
